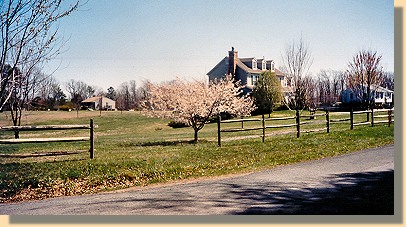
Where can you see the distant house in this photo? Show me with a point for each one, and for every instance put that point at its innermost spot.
(247, 70)
(99, 102)
(380, 95)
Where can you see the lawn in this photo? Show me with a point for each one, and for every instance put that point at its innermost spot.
(133, 150)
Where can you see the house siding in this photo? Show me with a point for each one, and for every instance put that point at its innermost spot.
(94, 103)
(220, 70)
(241, 75)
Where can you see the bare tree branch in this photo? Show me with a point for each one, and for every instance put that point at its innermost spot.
(297, 60)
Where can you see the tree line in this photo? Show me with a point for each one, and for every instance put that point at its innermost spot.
(47, 93)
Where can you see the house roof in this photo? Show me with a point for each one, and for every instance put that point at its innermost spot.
(92, 99)
(218, 64)
(246, 68)
(380, 89)
(240, 63)
(246, 59)
(278, 72)
(255, 71)
(96, 99)
(258, 59)
(374, 87)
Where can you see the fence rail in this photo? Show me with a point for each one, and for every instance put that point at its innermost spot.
(389, 114)
(44, 127)
(298, 123)
(279, 118)
(90, 138)
(339, 120)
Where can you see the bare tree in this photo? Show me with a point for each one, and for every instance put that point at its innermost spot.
(330, 83)
(22, 91)
(49, 94)
(28, 38)
(388, 80)
(98, 91)
(129, 96)
(123, 101)
(365, 71)
(194, 102)
(78, 91)
(135, 98)
(297, 59)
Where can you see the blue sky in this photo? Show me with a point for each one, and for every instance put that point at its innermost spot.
(110, 42)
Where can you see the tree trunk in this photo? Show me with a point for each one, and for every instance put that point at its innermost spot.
(16, 118)
(16, 134)
(196, 138)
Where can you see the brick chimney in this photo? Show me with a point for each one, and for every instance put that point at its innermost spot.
(232, 61)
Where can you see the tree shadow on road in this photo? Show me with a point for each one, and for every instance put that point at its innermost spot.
(370, 193)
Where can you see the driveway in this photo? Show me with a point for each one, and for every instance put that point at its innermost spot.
(356, 183)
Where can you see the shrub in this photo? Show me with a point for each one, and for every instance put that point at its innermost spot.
(175, 124)
(65, 107)
(224, 116)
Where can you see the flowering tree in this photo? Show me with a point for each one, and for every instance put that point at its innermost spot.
(194, 102)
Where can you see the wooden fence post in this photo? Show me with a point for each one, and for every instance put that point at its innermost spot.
(219, 130)
(297, 124)
(91, 139)
(352, 119)
(372, 117)
(389, 117)
(263, 128)
(367, 115)
(328, 121)
(242, 122)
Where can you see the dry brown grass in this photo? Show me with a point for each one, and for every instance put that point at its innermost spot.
(34, 117)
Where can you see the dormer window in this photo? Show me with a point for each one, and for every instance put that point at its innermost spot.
(272, 66)
(254, 63)
(263, 64)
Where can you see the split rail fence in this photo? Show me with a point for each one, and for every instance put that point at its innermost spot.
(90, 138)
(322, 125)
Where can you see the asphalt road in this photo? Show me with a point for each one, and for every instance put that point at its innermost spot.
(356, 183)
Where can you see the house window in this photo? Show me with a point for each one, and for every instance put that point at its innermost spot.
(254, 63)
(272, 66)
(264, 65)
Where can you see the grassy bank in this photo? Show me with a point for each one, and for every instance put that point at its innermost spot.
(132, 150)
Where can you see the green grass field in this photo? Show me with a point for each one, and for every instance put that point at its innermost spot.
(133, 150)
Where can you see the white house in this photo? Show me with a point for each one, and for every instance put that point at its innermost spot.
(380, 95)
